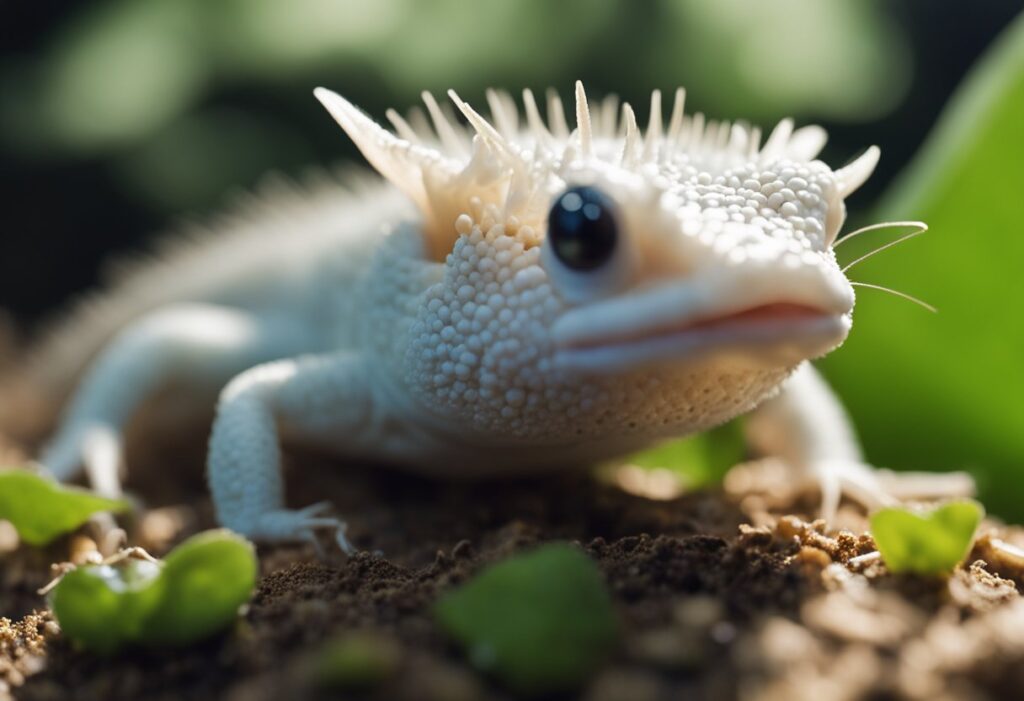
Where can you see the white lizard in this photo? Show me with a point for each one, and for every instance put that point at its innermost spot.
(551, 298)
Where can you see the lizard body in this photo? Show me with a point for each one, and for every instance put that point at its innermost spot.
(551, 298)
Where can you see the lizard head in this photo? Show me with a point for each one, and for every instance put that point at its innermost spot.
(609, 280)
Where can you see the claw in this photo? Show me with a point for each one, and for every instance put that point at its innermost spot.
(856, 480)
(309, 536)
(342, 540)
(315, 509)
(302, 525)
(927, 485)
(874, 488)
(831, 492)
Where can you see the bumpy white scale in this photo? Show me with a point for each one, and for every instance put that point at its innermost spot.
(553, 298)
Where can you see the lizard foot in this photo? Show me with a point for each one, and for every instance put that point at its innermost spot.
(96, 447)
(300, 525)
(875, 488)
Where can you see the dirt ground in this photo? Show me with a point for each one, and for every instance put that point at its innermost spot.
(719, 596)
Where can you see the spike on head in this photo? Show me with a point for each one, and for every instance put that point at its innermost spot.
(402, 127)
(776, 142)
(850, 177)
(675, 122)
(654, 133)
(481, 125)
(398, 160)
(583, 120)
(445, 131)
(722, 135)
(738, 138)
(534, 120)
(503, 112)
(556, 115)
(608, 116)
(632, 138)
(806, 143)
(754, 143)
(695, 133)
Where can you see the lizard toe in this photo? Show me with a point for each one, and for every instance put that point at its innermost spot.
(298, 525)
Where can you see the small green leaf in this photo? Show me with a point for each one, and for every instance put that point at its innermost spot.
(929, 541)
(194, 593)
(540, 622)
(41, 509)
(206, 579)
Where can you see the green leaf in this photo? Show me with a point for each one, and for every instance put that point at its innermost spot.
(942, 391)
(206, 579)
(700, 460)
(931, 541)
(42, 509)
(357, 660)
(194, 593)
(540, 622)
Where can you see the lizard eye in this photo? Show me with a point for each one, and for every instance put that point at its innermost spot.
(582, 229)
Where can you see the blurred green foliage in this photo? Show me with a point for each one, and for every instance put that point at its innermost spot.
(40, 509)
(928, 542)
(130, 80)
(700, 460)
(540, 621)
(944, 391)
(356, 660)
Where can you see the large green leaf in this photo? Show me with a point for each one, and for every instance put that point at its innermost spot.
(944, 391)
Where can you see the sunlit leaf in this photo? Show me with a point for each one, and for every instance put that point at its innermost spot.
(929, 541)
(42, 509)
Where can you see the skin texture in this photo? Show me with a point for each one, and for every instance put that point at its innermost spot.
(450, 338)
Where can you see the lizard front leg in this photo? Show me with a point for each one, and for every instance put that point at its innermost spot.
(194, 348)
(807, 426)
(318, 399)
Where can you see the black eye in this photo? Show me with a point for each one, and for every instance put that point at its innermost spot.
(582, 229)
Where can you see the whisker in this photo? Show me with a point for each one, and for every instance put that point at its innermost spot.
(904, 295)
(901, 239)
(875, 227)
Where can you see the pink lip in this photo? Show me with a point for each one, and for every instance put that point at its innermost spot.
(754, 316)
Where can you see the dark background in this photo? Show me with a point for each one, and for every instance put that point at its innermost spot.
(74, 194)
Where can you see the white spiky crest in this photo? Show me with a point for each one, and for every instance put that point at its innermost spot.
(445, 166)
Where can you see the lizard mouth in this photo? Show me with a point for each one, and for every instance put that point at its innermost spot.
(770, 334)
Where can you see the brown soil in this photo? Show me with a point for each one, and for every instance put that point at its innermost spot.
(718, 596)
